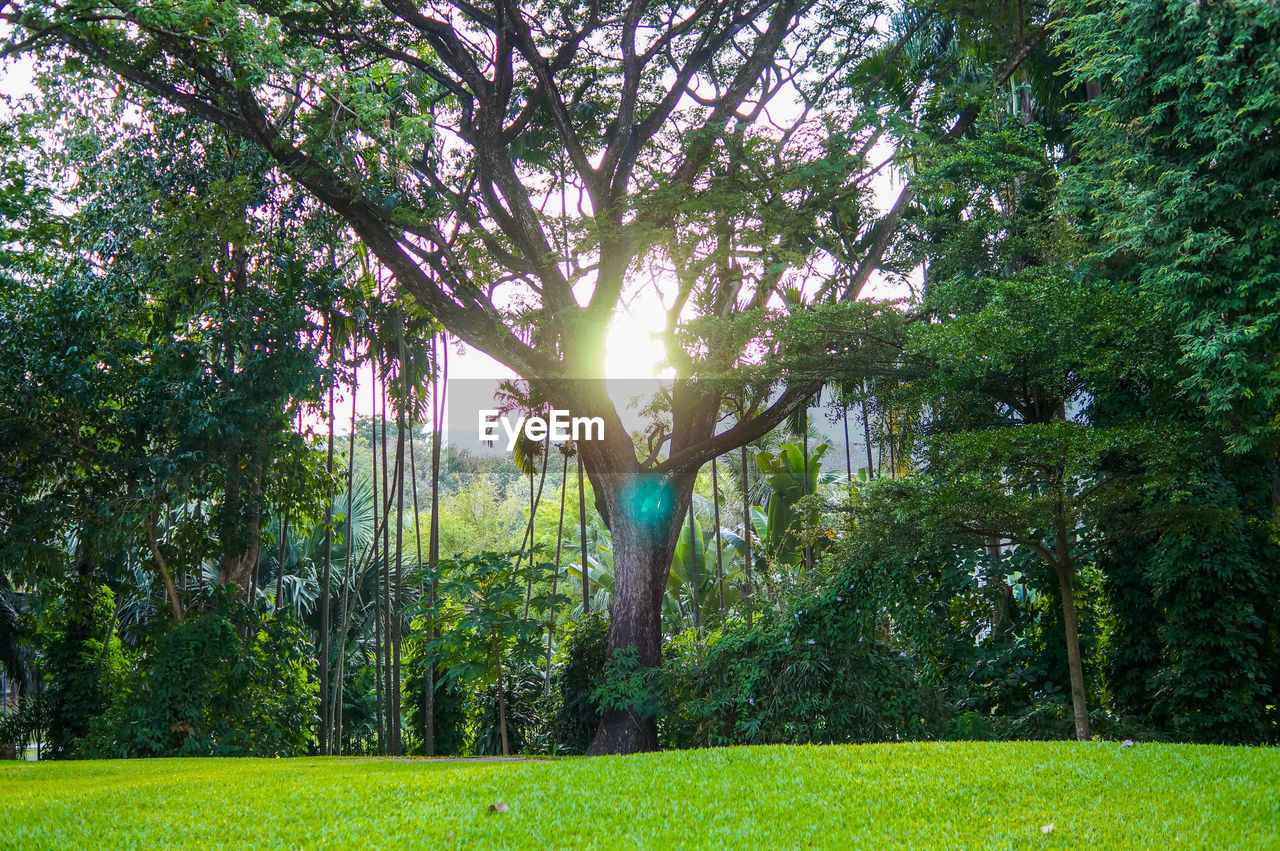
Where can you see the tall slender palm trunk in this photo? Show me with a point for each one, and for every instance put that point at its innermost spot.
(694, 578)
(439, 389)
(746, 537)
(555, 576)
(335, 698)
(582, 539)
(377, 592)
(715, 508)
(417, 524)
(848, 451)
(283, 529)
(397, 580)
(534, 501)
(325, 592)
(866, 431)
(385, 577)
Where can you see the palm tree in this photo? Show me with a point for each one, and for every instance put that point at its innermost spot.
(565, 451)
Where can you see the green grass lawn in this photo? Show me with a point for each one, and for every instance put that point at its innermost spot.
(982, 795)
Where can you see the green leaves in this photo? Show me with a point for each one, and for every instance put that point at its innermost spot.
(482, 617)
(1180, 181)
(791, 477)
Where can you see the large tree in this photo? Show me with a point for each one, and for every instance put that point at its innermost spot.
(1180, 177)
(523, 170)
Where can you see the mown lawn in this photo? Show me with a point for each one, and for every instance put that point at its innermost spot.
(981, 795)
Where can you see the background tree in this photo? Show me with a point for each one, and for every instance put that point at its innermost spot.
(1177, 189)
(435, 135)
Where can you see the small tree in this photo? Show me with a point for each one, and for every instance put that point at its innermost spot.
(1006, 345)
(486, 629)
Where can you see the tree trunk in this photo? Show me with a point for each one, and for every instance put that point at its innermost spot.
(377, 591)
(848, 451)
(397, 745)
(746, 535)
(715, 508)
(283, 528)
(555, 576)
(417, 524)
(866, 431)
(502, 711)
(439, 387)
(1065, 586)
(325, 589)
(170, 590)
(694, 578)
(1065, 569)
(534, 500)
(642, 550)
(344, 613)
(242, 518)
(1002, 606)
(388, 505)
(582, 539)
(804, 484)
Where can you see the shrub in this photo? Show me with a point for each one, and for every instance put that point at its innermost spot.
(30, 723)
(815, 674)
(525, 720)
(83, 663)
(229, 682)
(449, 709)
(576, 713)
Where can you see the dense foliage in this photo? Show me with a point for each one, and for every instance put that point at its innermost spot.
(234, 263)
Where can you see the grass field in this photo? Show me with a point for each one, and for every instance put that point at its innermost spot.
(981, 795)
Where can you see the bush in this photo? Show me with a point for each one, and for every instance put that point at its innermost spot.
(83, 662)
(525, 721)
(27, 725)
(816, 674)
(974, 727)
(449, 708)
(1052, 720)
(576, 713)
(229, 682)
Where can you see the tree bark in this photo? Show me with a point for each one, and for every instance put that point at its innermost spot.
(397, 604)
(746, 536)
(344, 612)
(866, 431)
(848, 452)
(241, 524)
(582, 539)
(1002, 606)
(439, 389)
(417, 520)
(377, 590)
(715, 508)
(502, 710)
(804, 483)
(555, 576)
(642, 549)
(387, 507)
(283, 528)
(324, 585)
(1064, 567)
(1078, 707)
(170, 589)
(694, 578)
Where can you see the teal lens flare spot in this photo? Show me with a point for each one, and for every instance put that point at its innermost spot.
(648, 500)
